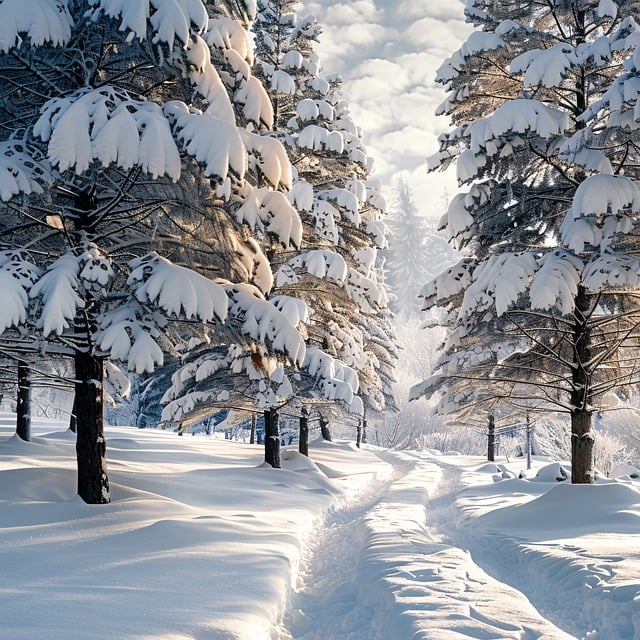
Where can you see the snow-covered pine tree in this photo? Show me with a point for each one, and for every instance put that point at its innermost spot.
(338, 271)
(416, 253)
(210, 375)
(119, 159)
(545, 299)
(331, 272)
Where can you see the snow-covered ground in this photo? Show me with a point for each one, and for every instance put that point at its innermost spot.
(204, 542)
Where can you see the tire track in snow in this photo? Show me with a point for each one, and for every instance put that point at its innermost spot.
(384, 567)
(442, 518)
(567, 585)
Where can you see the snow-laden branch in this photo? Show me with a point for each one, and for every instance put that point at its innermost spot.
(550, 279)
(271, 212)
(606, 195)
(295, 310)
(451, 282)
(610, 271)
(320, 263)
(477, 42)
(110, 126)
(556, 282)
(256, 103)
(58, 291)
(498, 282)
(210, 140)
(603, 206)
(336, 380)
(43, 21)
(269, 156)
(262, 322)
(549, 67)
(178, 291)
(226, 33)
(169, 19)
(507, 129)
(205, 78)
(19, 172)
(17, 276)
(365, 292)
(158, 290)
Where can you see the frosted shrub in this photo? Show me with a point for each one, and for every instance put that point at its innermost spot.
(608, 451)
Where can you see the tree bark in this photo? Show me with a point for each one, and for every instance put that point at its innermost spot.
(358, 434)
(73, 418)
(581, 400)
(324, 429)
(581, 448)
(93, 481)
(23, 412)
(303, 438)
(272, 438)
(252, 436)
(491, 440)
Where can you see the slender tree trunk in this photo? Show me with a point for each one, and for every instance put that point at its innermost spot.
(272, 438)
(581, 435)
(324, 429)
(23, 417)
(252, 437)
(303, 438)
(73, 418)
(491, 440)
(93, 482)
(358, 434)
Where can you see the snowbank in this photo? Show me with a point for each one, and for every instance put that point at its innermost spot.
(203, 540)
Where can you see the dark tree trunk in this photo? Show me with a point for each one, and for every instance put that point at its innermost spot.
(581, 435)
(364, 430)
(358, 434)
(581, 448)
(324, 429)
(93, 482)
(73, 418)
(252, 437)
(272, 438)
(23, 418)
(491, 440)
(303, 439)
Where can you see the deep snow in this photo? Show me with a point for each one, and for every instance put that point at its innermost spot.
(202, 541)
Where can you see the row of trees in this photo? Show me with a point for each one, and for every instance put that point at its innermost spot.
(542, 309)
(197, 208)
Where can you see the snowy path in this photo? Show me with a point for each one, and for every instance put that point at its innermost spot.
(386, 568)
(329, 575)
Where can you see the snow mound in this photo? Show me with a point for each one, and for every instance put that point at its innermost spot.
(295, 461)
(625, 470)
(491, 467)
(567, 510)
(25, 485)
(554, 472)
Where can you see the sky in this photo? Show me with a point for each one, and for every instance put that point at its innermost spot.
(203, 541)
(388, 52)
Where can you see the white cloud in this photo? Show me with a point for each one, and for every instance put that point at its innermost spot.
(419, 8)
(353, 12)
